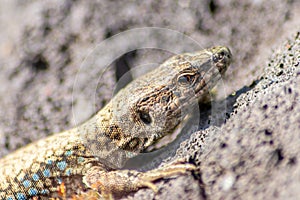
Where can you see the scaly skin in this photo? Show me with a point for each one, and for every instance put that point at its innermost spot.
(84, 161)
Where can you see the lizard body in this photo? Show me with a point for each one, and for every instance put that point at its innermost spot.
(86, 159)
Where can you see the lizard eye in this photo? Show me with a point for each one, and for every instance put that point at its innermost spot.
(185, 80)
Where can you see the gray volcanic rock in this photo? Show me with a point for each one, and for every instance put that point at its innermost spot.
(255, 155)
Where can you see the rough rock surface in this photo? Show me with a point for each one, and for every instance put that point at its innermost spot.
(254, 155)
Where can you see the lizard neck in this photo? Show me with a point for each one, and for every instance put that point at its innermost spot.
(102, 136)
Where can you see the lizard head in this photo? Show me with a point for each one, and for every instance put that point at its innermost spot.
(153, 106)
(156, 103)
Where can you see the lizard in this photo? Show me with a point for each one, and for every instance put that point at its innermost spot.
(86, 161)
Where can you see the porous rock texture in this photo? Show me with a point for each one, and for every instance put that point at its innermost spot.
(251, 153)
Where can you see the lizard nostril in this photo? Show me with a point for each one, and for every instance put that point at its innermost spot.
(222, 53)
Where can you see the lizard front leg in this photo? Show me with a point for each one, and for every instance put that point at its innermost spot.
(123, 181)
